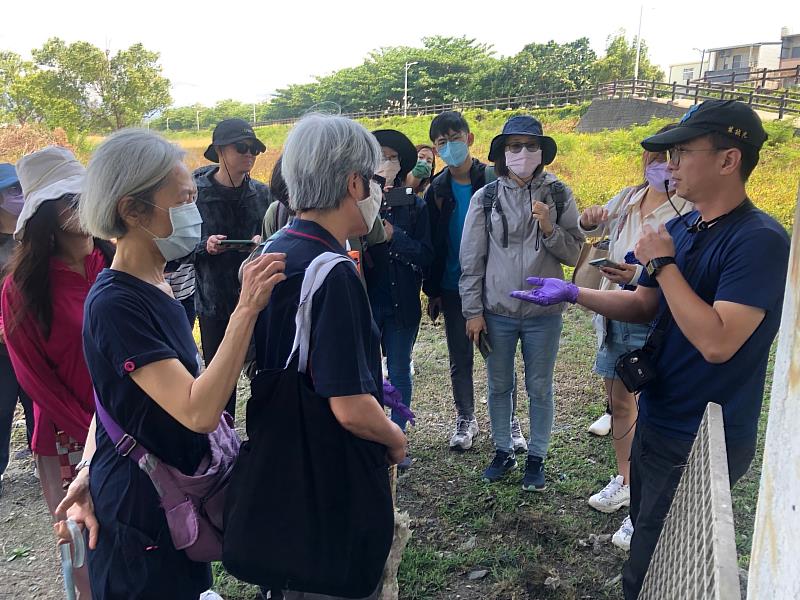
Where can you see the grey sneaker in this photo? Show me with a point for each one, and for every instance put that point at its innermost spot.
(517, 439)
(466, 430)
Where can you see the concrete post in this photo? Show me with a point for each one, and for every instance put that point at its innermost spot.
(776, 538)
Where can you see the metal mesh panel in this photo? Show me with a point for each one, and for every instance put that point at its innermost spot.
(695, 558)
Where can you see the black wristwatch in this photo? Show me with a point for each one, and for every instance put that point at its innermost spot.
(655, 265)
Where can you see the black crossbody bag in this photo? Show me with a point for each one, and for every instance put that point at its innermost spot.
(637, 368)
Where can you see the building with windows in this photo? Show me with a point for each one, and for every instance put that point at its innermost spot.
(737, 61)
(683, 72)
(790, 56)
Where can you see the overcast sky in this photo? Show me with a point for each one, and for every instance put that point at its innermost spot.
(245, 49)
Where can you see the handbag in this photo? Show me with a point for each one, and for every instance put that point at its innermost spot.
(193, 504)
(310, 506)
(585, 275)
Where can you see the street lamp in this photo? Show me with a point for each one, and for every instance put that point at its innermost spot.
(638, 46)
(405, 88)
(702, 60)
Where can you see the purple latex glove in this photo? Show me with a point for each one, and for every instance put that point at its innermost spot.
(392, 398)
(550, 291)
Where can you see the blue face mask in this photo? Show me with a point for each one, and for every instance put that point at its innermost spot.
(454, 153)
(186, 222)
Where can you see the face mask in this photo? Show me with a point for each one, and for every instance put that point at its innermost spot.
(12, 200)
(656, 174)
(388, 170)
(186, 222)
(371, 205)
(454, 153)
(523, 163)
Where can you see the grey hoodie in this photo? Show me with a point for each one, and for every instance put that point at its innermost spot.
(487, 281)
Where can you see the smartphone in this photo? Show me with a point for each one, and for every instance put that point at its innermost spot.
(401, 196)
(604, 262)
(237, 243)
(483, 345)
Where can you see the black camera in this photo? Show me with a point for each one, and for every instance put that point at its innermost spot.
(400, 196)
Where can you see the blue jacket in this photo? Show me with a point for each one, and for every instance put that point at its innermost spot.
(409, 252)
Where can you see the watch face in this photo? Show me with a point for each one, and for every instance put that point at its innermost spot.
(651, 268)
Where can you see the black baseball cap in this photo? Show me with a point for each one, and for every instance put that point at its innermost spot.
(730, 118)
(231, 131)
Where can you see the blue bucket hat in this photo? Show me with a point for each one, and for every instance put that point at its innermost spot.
(524, 125)
(8, 176)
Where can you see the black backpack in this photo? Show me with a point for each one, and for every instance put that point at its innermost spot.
(557, 191)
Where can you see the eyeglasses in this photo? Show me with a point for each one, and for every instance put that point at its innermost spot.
(516, 148)
(381, 181)
(244, 148)
(442, 142)
(12, 190)
(674, 154)
(391, 159)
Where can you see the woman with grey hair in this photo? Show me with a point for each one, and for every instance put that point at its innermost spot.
(145, 366)
(328, 164)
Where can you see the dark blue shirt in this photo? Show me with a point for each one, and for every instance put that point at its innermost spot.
(128, 324)
(345, 357)
(741, 259)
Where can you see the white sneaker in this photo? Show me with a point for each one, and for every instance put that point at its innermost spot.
(612, 497)
(210, 595)
(384, 368)
(602, 426)
(466, 430)
(622, 538)
(517, 439)
(411, 368)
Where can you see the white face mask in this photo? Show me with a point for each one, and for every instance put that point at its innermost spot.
(186, 222)
(370, 206)
(388, 169)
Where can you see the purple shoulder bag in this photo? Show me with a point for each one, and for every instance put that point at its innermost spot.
(193, 504)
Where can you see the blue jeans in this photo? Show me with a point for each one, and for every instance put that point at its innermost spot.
(397, 343)
(540, 338)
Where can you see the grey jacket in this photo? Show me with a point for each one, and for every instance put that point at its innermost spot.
(489, 272)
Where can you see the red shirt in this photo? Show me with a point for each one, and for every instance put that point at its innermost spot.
(53, 371)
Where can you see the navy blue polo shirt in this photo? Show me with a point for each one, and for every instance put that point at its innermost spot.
(743, 259)
(345, 356)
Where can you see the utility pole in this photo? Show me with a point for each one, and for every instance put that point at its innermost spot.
(197, 119)
(638, 44)
(254, 113)
(405, 88)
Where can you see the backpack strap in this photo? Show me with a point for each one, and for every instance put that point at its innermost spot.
(315, 276)
(124, 444)
(489, 174)
(558, 193)
(491, 201)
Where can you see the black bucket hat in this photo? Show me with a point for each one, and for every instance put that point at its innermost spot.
(524, 125)
(398, 142)
(730, 118)
(231, 131)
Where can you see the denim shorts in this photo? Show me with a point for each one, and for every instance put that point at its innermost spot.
(621, 338)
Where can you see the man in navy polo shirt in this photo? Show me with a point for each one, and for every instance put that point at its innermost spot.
(714, 284)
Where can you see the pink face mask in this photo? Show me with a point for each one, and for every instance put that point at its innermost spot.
(523, 163)
(11, 200)
(656, 174)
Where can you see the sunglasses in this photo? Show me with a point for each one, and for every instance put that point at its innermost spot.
(516, 148)
(244, 148)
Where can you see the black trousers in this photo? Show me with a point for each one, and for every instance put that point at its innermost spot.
(657, 462)
(461, 352)
(10, 392)
(212, 331)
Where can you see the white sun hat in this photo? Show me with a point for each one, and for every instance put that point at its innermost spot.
(46, 175)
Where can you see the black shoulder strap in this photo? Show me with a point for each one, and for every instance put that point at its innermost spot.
(490, 200)
(558, 192)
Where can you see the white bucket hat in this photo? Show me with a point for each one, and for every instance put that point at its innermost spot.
(47, 175)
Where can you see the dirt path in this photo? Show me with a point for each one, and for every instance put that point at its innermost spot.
(29, 563)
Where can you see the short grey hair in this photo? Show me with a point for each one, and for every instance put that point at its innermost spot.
(319, 155)
(130, 162)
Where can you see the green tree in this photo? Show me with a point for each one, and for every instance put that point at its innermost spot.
(620, 59)
(81, 88)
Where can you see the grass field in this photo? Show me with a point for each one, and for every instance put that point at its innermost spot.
(533, 546)
(595, 165)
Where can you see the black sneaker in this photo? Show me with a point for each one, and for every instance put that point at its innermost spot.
(533, 480)
(502, 464)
